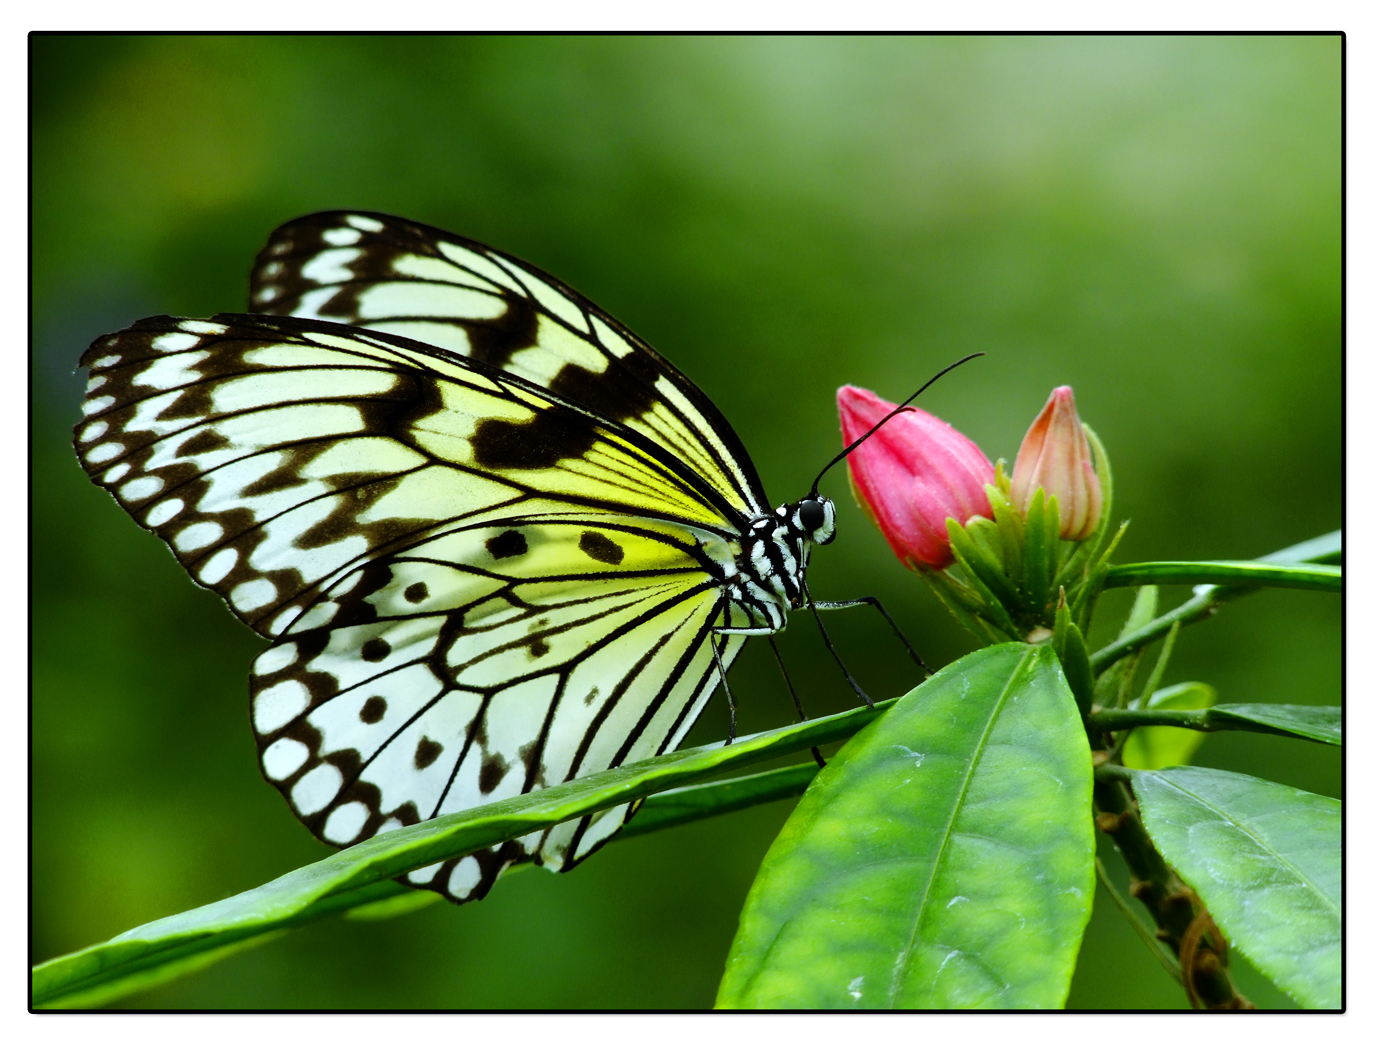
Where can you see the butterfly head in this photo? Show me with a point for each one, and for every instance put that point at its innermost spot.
(814, 518)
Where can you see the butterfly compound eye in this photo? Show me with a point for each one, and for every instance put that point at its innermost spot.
(811, 514)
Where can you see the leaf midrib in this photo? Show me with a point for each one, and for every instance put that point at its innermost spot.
(905, 958)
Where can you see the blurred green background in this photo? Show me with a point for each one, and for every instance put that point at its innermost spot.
(1156, 221)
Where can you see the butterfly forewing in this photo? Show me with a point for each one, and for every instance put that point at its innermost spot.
(388, 274)
(275, 455)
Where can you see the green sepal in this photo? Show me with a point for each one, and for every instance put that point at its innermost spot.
(983, 573)
(960, 600)
(1001, 479)
(1072, 650)
(1037, 569)
(986, 535)
(1012, 528)
(1103, 468)
(1052, 543)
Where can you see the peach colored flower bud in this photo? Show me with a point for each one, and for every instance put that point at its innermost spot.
(913, 474)
(1055, 455)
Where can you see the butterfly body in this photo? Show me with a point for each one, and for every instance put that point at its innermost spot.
(496, 541)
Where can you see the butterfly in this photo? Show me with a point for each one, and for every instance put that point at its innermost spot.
(496, 540)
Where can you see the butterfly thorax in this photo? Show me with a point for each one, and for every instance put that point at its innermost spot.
(767, 578)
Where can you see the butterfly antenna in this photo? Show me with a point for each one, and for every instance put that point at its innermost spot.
(795, 700)
(890, 415)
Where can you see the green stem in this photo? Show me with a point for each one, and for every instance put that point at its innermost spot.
(1165, 958)
(1321, 577)
(1207, 598)
(1192, 719)
(1202, 605)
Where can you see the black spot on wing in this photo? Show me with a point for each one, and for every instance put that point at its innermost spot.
(202, 442)
(417, 593)
(538, 647)
(615, 393)
(507, 544)
(375, 650)
(496, 341)
(426, 753)
(373, 709)
(601, 548)
(541, 443)
(494, 768)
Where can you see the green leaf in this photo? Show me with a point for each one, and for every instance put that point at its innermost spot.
(360, 875)
(1326, 548)
(1266, 861)
(1322, 577)
(1150, 748)
(1321, 723)
(942, 859)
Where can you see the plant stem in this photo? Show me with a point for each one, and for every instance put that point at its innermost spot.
(1203, 605)
(1166, 959)
(1209, 720)
(1321, 577)
(1207, 598)
(1171, 903)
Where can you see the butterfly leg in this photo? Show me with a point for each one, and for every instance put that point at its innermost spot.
(730, 698)
(831, 648)
(840, 605)
(795, 699)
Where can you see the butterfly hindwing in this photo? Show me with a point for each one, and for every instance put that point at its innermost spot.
(480, 664)
(389, 274)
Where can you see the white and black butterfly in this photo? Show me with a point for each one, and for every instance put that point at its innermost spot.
(497, 541)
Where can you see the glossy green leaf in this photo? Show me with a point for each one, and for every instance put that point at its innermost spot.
(360, 875)
(1321, 723)
(1266, 861)
(944, 858)
(1150, 748)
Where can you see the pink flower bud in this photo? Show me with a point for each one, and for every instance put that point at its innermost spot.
(913, 474)
(1055, 455)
